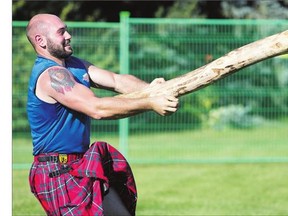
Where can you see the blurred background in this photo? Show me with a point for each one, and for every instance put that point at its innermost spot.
(225, 139)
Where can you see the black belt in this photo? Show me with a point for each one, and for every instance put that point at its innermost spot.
(48, 159)
(64, 169)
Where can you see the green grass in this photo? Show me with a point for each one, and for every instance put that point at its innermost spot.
(225, 177)
(192, 189)
(206, 145)
(223, 189)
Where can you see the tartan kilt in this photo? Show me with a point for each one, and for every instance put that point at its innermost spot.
(80, 191)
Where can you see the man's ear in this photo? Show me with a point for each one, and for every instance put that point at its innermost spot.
(40, 40)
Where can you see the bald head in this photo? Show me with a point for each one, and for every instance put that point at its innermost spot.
(40, 24)
(49, 37)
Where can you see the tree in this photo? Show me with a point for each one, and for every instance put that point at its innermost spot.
(258, 9)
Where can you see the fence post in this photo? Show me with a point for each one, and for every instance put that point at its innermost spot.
(124, 69)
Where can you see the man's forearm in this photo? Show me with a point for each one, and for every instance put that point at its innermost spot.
(127, 83)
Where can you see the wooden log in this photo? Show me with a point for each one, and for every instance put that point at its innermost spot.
(228, 64)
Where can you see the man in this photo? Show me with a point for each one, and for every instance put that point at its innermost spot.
(69, 176)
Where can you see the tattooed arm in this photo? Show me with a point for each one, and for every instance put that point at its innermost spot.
(57, 84)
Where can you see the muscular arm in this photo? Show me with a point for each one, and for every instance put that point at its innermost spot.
(121, 83)
(57, 84)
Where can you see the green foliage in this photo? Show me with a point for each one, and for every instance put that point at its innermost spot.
(97, 45)
(71, 7)
(268, 9)
(235, 116)
(108, 11)
(22, 59)
(180, 9)
(17, 5)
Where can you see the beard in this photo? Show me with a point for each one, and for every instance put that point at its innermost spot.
(58, 51)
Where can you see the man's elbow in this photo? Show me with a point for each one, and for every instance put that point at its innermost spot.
(97, 115)
(101, 115)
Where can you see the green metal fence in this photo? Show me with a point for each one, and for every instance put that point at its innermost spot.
(242, 118)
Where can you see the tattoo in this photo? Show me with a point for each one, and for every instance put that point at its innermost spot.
(61, 80)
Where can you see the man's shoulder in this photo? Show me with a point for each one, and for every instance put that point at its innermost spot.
(42, 64)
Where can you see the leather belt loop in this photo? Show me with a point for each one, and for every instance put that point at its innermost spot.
(64, 169)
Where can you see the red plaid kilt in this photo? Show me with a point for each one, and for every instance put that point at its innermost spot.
(80, 191)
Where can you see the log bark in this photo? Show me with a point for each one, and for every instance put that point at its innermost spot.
(228, 64)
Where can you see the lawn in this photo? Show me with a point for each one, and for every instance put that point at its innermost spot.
(192, 189)
(203, 172)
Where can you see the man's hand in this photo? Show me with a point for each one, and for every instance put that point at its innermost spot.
(164, 104)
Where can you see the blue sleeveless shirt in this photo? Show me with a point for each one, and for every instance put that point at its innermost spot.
(54, 127)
